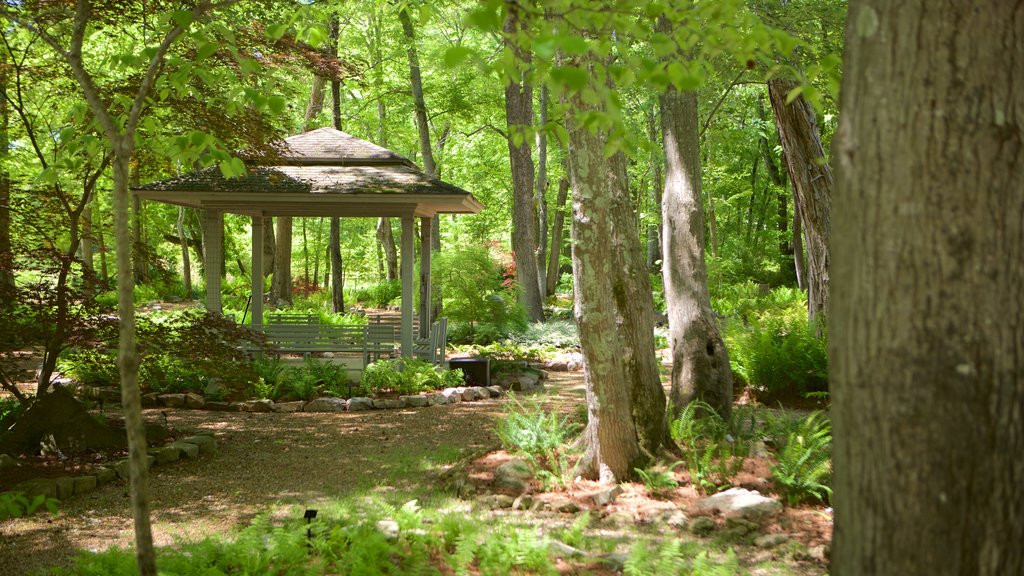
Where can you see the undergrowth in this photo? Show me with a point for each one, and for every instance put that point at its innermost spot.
(540, 436)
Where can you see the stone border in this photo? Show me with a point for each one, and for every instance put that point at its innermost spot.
(202, 444)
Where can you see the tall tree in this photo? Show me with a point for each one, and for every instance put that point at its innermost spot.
(541, 190)
(797, 123)
(700, 362)
(385, 233)
(557, 227)
(927, 319)
(519, 119)
(334, 245)
(6, 255)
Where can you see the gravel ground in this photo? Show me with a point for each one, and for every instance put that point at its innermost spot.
(265, 462)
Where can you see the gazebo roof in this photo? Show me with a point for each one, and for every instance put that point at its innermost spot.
(324, 172)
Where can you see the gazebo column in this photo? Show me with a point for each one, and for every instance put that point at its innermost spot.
(257, 272)
(426, 231)
(408, 249)
(213, 246)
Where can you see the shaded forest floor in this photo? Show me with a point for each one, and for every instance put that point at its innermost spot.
(279, 464)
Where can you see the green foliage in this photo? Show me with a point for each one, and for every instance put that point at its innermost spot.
(9, 407)
(480, 306)
(89, 366)
(711, 453)
(551, 334)
(407, 376)
(675, 558)
(17, 504)
(803, 467)
(540, 436)
(658, 480)
(380, 295)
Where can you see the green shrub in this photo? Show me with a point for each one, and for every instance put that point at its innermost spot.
(480, 306)
(407, 376)
(540, 436)
(658, 480)
(107, 299)
(143, 294)
(165, 373)
(711, 453)
(673, 557)
(803, 468)
(89, 366)
(380, 295)
(17, 504)
(553, 333)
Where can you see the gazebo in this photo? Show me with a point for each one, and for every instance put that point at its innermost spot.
(324, 172)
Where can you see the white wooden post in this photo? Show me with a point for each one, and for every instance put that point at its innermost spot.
(213, 222)
(408, 249)
(257, 272)
(426, 231)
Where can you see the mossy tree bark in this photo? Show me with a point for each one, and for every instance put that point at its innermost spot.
(926, 329)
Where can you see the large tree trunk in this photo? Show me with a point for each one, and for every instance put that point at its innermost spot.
(631, 287)
(281, 284)
(337, 272)
(778, 178)
(386, 238)
(612, 448)
(700, 362)
(6, 255)
(927, 325)
(269, 247)
(519, 117)
(555, 256)
(797, 125)
(540, 193)
(657, 182)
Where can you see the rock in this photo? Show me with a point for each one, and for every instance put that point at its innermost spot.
(452, 394)
(262, 405)
(674, 518)
(513, 475)
(358, 403)
(38, 487)
(522, 502)
(415, 401)
(193, 400)
(474, 393)
(740, 527)
(166, 455)
(288, 407)
(105, 475)
(326, 404)
(216, 389)
(65, 487)
(394, 404)
(436, 399)
(758, 449)
(500, 501)
(207, 444)
(389, 528)
(747, 504)
(221, 406)
(771, 540)
(702, 525)
(151, 400)
(616, 561)
(85, 484)
(525, 382)
(496, 391)
(557, 366)
(607, 496)
(186, 449)
(8, 461)
(172, 400)
(563, 550)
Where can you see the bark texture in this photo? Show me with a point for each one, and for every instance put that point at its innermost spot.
(612, 447)
(926, 331)
(812, 181)
(540, 192)
(281, 283)
(386, 238)
(700, 362)
(6, 255)
(186, 262)
(519, 118)
(557, 227)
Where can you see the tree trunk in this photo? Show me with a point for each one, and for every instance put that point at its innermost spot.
(700, 362)
(140, 264)
(631, 288)
(927, 324)
(305, 252)
(540, 191)
(337, 279)
(657, 182)
(519, 117)
(269, 247)
(555, 256)
(86, 242)
(612, 448)
(419, 104)
(186, 263)
(315, 104)
(317, 251)
(797, 125)
(100, 240)
(281, 284)
(6, 254)
(386, 238)
(798, 249)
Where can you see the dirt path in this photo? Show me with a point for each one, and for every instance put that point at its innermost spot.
(265, 461)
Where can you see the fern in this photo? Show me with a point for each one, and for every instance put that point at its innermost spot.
(803, 467)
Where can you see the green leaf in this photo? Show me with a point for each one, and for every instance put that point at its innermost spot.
(182, 18)
(487, 19)
(276, 104)
(571, 77)
(572, 45)
(276, 31)
(232, 168)
(206, 50)
(456, 55)
(794, 94)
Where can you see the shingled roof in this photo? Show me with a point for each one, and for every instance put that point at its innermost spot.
(324, 172)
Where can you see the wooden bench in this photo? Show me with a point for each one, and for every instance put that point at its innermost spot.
(307, 339)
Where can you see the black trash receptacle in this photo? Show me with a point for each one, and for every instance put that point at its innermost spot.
(476, 371)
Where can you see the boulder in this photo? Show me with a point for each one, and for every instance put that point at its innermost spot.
(326, 404)
(222, 406)
(38, 487)
(193, 400)
(65, 487)
(513, 475)
(358, 403)
(415, 401)
(60, 422)
(85, 484)
(771, 540)
(522, 502)
(496, 391)
(105, 475)
(262, 405)
(702, 525)
(151, 400)
(565, 506)
(499, 501)
(207, 444)
(288, 407)
(674, 518)
(436, 399)
(746, 504)
(526, 382)
(453, 395)
(172, 400)
(166, 454)
(607, 496)
(558, 366)
(186, 449)
(474, 393)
